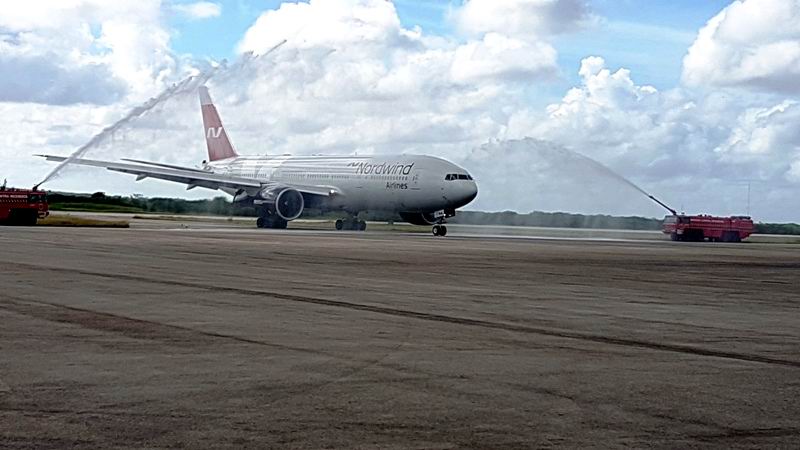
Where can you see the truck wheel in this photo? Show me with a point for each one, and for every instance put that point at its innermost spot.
(674, 236)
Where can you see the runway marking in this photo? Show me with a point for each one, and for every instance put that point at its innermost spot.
(385, 310)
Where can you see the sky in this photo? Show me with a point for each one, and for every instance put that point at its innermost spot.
(696, 102)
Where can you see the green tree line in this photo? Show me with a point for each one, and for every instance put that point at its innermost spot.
(223, 207)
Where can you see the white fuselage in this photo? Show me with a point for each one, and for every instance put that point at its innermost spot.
(402, 183)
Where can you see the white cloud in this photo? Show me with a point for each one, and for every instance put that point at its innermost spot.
(351, 79)
(59, 50)
(521, 18)
(46, 78)
(693, 150)
(327, 24)
(498, 56)
(68, 68)
(199, 10)
(750, 43)
(767, 139)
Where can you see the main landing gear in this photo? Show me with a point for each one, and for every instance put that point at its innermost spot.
(270, 220)
(439, 230)
(351, 224)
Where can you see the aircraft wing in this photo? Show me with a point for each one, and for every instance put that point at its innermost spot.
(191, 177)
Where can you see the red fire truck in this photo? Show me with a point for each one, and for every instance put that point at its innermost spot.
(681, 227)
(22, 206)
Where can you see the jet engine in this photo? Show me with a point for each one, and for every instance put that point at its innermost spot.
(284, 201)
(419, 218)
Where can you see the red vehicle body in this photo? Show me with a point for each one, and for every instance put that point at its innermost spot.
(22, 206)
(681, 227)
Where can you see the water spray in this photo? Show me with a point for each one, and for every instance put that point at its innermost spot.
(606, 170)
(188, 85)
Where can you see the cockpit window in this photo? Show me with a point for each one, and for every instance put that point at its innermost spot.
(457, 176)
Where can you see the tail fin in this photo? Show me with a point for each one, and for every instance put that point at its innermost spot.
(219, 146)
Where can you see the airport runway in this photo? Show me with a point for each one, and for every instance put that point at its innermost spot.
(233, 337)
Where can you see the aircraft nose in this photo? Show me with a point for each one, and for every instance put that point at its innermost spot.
(464, 194)
(472, 192)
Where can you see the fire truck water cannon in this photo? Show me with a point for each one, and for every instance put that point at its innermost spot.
(672, 211)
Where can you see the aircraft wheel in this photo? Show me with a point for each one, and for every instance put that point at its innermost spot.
(442, 231)
(261, 223)
(362, 225)
(339, 224)
(435, 230)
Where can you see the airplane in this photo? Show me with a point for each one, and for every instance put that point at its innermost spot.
(422, 190)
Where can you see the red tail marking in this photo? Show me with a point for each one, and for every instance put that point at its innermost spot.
(219, 146)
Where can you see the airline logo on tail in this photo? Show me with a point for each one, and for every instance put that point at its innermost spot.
(219, 146)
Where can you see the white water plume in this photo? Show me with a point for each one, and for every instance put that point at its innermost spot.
(531, 174)
(185, 87)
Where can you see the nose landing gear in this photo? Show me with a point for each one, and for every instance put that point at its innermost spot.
(439, 228)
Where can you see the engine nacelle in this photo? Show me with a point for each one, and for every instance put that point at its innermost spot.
(419, 218)
(284, 201)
